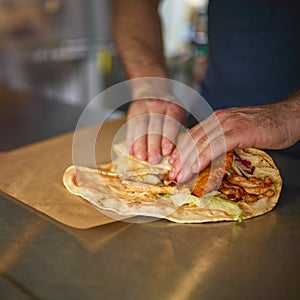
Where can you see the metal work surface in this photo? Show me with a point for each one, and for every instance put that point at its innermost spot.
(42, 259)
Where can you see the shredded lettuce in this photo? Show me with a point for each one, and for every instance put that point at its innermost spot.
(240, 218)
(227, 206)
(184, 198)
(166, 195)
(181, 199)
(209, 201)
(150, 179)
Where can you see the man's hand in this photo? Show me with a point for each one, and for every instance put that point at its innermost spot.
(153, 126)
(138, 38)
(273, 126)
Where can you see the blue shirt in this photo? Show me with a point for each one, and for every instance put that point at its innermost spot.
(254, 52)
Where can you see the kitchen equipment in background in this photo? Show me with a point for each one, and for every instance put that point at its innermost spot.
(63, 49)
(185, 39)
(59, 56)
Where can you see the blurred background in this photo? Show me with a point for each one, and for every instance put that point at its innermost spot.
(63, 49)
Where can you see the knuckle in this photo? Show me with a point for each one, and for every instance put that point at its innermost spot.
(201, 142)
(220, 113)
(170, 123)
(235, 120)
(223, 114)
(218, 145)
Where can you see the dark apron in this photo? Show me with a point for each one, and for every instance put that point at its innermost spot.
(254, 52)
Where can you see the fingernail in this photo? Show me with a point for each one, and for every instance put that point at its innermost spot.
(172, 175)
(140, 156)
(172, 159)
(167, 149)
(155, 159)
(180, 176)
(195, 167)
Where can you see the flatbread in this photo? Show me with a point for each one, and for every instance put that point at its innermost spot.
(117, 194)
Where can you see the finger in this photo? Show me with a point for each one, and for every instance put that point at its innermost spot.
(180, 155)
(211, 122)
(154, 148)
(183, 167)
(177, 153)
(174, 122)
(214, 149)
(155, 129)
(171, 128)
(139, 148)
(137, 136)
(195, 133)
(202, 135)
(187, 147)
(210, 128)
(189, 161)
(210, 153)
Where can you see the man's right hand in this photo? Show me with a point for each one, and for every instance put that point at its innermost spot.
(153, 126)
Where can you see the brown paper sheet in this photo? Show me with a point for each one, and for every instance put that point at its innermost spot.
(33, 175)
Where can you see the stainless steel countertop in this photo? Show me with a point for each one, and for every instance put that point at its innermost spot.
(42, 259)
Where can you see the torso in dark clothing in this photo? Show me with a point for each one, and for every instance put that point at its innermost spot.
(254, 51)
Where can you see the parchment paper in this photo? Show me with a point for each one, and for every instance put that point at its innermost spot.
(33, 175)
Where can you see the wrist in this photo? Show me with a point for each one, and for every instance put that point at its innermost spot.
(151, 87)
(291, 116)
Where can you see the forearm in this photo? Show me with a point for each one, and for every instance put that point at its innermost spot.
(271, 126)
(290, 107)
(137, 33)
